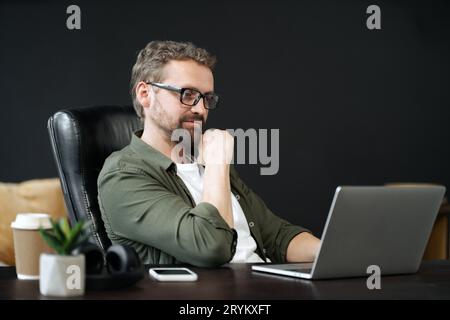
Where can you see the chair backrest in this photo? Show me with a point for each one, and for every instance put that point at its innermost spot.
(82, 139)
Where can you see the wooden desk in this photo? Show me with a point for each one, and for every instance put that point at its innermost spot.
(238, 281)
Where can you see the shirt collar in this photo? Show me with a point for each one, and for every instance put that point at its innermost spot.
(148, 153)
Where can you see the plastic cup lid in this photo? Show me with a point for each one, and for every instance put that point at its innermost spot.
(31, 221)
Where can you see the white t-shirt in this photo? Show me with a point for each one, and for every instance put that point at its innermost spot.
(192, 176)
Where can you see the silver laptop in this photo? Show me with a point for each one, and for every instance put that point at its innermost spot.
(384, 226)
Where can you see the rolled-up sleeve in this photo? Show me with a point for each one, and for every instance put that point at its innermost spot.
(140, 208)
(276, 233)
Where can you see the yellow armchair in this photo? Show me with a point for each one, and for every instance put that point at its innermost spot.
(42, 195)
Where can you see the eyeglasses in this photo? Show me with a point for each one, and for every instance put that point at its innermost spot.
(190, 97)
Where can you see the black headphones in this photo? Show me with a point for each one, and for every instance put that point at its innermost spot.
(123, 266)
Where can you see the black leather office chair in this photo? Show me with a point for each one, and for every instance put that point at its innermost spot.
(82, 139)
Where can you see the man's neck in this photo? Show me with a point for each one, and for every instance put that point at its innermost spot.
(158, 140)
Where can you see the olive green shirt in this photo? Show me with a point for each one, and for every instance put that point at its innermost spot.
(146, 205)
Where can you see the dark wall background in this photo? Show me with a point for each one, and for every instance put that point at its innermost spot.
(354, 106)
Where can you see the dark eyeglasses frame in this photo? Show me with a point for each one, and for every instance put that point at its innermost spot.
(181, 92)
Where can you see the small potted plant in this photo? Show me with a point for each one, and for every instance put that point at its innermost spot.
(63, 274)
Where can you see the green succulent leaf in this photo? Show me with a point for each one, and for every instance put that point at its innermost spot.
(62, 238)
(73, 236)
(58, 232)
(65, 228)
(81, 240)
(52, 241)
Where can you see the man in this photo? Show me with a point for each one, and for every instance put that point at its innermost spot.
(177, 211)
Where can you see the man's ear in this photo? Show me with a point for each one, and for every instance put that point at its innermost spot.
(143, 94)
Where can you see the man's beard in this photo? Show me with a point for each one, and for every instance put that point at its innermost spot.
(188, 138)
(163, 121)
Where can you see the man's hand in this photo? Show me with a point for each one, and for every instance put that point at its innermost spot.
(216, 147)
(304, 247)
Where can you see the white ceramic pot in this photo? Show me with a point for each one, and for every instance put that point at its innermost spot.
(61, 276)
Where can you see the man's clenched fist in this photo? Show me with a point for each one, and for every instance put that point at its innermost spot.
(216, 147)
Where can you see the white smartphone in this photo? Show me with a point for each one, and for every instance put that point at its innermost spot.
(173, 274)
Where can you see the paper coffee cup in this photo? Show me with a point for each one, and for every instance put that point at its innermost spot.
(28, 243)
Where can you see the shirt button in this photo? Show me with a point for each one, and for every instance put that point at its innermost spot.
(251, 224)
(238, 197)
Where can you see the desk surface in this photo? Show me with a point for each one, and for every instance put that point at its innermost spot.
(238, 281)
